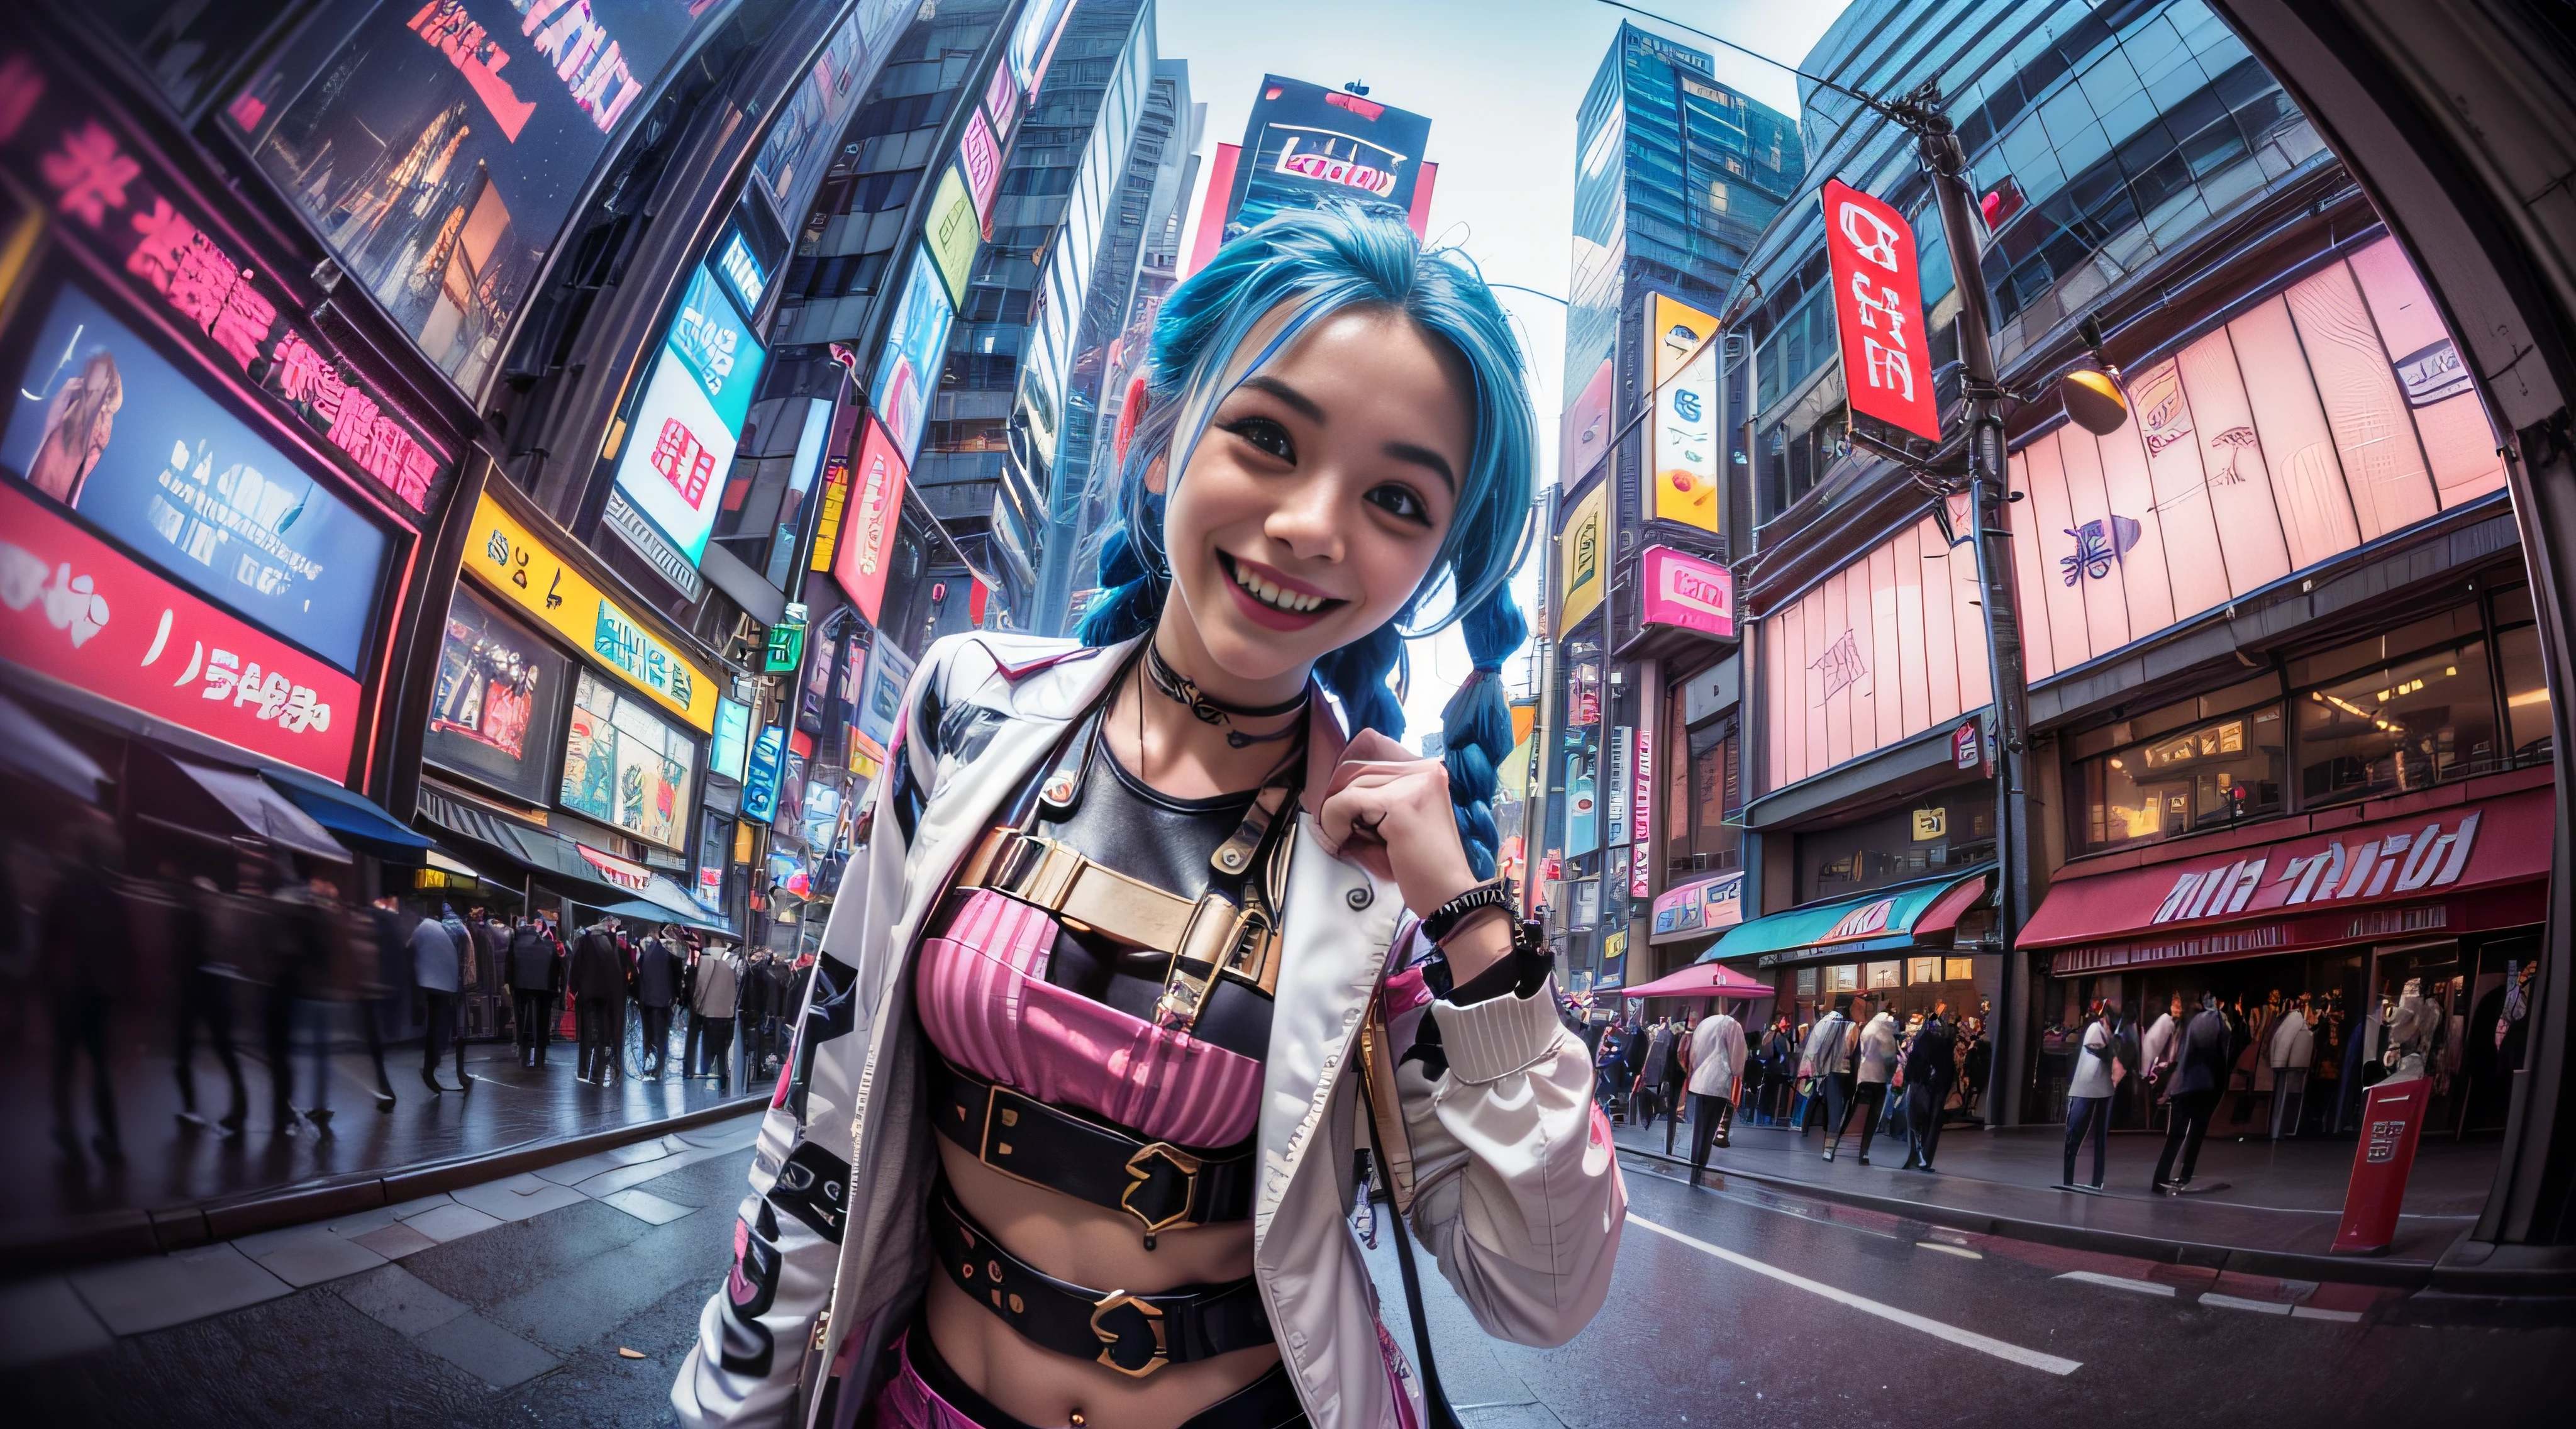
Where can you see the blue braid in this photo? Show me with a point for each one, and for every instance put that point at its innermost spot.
(1315, 262)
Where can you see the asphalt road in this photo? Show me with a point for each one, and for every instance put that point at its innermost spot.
(1732, 1305)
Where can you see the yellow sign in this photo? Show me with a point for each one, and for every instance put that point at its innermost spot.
(954, 233)
(1579, 551)
(503, 555)
(1930, 824)
(1677, 332)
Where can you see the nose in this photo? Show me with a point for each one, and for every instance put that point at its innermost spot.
(1307, 519)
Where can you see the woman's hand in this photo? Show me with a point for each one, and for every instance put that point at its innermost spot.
(1390, 813)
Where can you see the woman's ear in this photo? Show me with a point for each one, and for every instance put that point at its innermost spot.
(1158, 474)
(1130, 413)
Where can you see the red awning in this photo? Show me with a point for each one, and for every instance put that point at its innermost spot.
(1701, 980)
(2346, 883)
(1943, 916)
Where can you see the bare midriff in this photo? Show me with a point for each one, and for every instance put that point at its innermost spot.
(1084, 1244)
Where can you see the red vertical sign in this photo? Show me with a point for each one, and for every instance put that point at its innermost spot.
(1878, 303)
(2392, 1118)
(867, 531)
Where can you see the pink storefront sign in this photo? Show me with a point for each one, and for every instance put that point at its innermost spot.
(1689, 593)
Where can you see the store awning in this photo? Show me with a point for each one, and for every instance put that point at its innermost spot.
(555, 860)
(183, 793)
(356, 820)
(2453, 867)
(29, 746)
(666, 903)
(1703, 980)
(1882, 920)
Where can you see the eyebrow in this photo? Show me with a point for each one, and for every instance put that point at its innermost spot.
(1424, 456)
(1305, 406)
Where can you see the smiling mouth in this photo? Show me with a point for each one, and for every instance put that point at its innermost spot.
(1287, 602)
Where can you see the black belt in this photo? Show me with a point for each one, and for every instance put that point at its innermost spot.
(1132, 1334)
(1158, 1183)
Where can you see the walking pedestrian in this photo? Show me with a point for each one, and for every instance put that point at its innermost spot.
(657, 985)
(532, 980)
(1874, 1061)
(2088, 1099)
(1647, 1091)
(719, 986)
(1675, 1079)
(1930, 1066)
(599, 999)
(688, 1005)
(1606, 1062)
(205, 996)
(1780, 1070)
(1827, 1059)
(2294, 1046)
(1717, 1058)
(2200, 1075)
(438, 972)
(83, 936)
(2156, 1055)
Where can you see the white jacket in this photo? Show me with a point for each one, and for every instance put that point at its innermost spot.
(1717, 1056)
(2294, 1043)
(1518, 1195)
(1877, 1050)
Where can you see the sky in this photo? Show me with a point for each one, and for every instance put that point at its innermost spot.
(1500, 81)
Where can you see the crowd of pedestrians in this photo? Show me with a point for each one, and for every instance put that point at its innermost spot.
(275, 973)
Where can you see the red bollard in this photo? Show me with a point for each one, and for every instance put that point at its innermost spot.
(2392, 1116)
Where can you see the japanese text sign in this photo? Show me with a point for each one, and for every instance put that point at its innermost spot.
(867, 531)
(2392, 1119)
(111, 203)
(1641, 813)
(681, 440)
(1878, 304)
(504, 555)
(74, 608)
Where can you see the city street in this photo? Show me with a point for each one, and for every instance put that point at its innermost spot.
(1732, 1305)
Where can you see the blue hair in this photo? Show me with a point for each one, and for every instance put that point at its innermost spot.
(1316, 262)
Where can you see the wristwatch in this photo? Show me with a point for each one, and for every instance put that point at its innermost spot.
(1444, 920)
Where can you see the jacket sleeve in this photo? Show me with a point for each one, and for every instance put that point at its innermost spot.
(1516, 1190)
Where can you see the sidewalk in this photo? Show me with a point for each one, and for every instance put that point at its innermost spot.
(2259, 1206)
(182, 1186)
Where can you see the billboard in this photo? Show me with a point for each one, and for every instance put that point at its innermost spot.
(980, 155)
(1878, 304)
(498, 701)
(867, 534)
(889, 672)
(1586, 432)
(1304, 143)
(1579, 585)
(77, 609)
(627, 767)
(438, 149)
(760, 784)
(1699, 908)
(1685, 454)
(105, 425)
(908, 368)
(1689, 593)
(680, 443)
(733, 740)
(954, 231)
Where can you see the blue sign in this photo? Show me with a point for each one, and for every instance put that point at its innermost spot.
(760, 790)
(743, 275)
(733, 739)
(716, 346)
(908, 369)
(108, 427)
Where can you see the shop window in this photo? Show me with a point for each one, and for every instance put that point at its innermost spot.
(1922, 970)
(1884, 975)
(2526, 695)
(2405, 724)
(1806, 982)
(1844, 979)
(1958, 969)
(2180, 781)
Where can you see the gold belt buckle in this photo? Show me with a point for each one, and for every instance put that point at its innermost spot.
(1181, 1161)
(1111, 1339)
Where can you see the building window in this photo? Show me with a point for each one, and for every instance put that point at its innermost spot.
(2184, 780)
(1806, 982)
(1884, 975)
(2393, 725)
(1919, 971)
(1845, 978)
(1958, 969)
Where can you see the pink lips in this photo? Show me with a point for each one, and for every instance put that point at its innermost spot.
(1267, 616)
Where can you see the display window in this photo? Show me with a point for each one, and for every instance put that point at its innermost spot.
(627, 767)
(498, 703)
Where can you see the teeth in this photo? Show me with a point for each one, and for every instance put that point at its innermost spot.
(1272, 596)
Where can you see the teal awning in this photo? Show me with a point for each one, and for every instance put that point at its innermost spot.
(357, 820)
(1881, 920)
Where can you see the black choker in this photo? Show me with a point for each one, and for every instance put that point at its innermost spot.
(1182, 690)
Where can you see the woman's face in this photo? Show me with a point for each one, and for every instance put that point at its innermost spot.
(1312, 508)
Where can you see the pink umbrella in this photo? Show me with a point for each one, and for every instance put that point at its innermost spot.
(1702, 980)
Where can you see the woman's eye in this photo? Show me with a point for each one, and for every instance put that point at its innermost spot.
(1401, 502)
(1267, 435)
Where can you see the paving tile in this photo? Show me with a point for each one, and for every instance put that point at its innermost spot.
(624, 1176)
(350, 1227)
(309, 1255)
(405, 1210)
(156, 1292)
(395, 1241)
(574, 1172)
(451, 1222)
(399, 1300)
(645, 1206)
(485, 1350)
(519, 1197)
(44, 1320)
(724, 1135)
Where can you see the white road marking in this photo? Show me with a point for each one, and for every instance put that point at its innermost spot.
(2238, 1302)
(2116, 1282)
(1948, 1249)
(2311, 1312)
(1935, 1328)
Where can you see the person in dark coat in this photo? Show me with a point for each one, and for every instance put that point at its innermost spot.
(2200, 1075)
(83, 938)
(1930, 1064)
(532, 983)
(658, 973)
(438, 976)
(204, 996)
(690, 953)
(599, 984)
